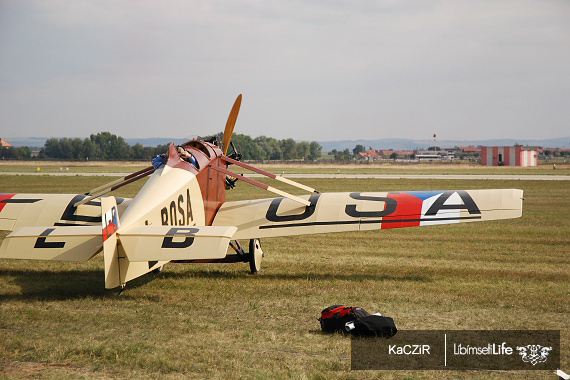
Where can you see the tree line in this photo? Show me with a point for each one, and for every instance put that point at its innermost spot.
(268, 148)
(107, 146)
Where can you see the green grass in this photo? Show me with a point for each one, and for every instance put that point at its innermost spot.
(456, 167)
(217, 321)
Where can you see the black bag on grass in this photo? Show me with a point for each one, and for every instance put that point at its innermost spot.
(335, 317)
(372, 326)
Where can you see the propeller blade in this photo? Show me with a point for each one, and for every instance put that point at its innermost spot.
(230, 125)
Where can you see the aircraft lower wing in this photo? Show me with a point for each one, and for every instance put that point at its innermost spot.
(53, 243)
(144, 243)
(340, 212)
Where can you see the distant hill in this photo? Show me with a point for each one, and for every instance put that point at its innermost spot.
(33, 142)
(154, 141)
(403, 144)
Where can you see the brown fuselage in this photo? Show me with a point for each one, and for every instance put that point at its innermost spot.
(212, 183)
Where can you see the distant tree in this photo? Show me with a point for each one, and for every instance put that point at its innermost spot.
(394, 155)
(303, 150)
(288, 147)
(52, 148)
(139, 152)
(434, 148)
(160, 149)
(262, 145)
(269, 148)
(76, 149)
(107, 146)
(315, 150)
(91, 150)
(66, 149)
(247, 147)
(111, 146)
(345, 155)
(358, 148)
(15, 153)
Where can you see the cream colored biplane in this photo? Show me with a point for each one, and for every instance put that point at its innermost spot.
(180, 215)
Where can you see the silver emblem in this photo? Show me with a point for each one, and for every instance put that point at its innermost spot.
(534, 353)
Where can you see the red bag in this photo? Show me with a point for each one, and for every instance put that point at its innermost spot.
(334, 317)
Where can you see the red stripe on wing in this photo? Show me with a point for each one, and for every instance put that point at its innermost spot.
(4, 197)
(408, 207)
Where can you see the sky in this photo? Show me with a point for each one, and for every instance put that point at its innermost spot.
(309, 70)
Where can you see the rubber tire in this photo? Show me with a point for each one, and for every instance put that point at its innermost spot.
(256, 255)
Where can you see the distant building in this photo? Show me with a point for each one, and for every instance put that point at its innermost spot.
(430, 155)
(372, 154)
(508, 156)
(469, 149)
(368, 155)
(4, 143)
(402, 154)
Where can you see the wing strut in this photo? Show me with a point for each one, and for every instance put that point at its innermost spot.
(114, 185)
(261, 185)
(267, 174)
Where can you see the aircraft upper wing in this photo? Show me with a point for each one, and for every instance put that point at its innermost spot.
(339, 212)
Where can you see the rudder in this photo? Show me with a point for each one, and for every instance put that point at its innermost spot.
(110, 224)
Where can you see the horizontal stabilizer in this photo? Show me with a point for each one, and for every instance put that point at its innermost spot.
(162, 243)
(67, 243)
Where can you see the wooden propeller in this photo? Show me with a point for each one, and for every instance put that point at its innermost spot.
(230, 125)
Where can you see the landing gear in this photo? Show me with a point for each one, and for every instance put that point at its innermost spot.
(255, 256)
(158, 270)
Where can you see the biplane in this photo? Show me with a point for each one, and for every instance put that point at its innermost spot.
(181, 215)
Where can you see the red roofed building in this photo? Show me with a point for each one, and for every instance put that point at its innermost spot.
(469, 149)
(400, 153)
(372, 153)
(4, 143)
(368, 155)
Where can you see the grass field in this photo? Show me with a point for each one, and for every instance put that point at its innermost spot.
(217, 321)
(456, 167)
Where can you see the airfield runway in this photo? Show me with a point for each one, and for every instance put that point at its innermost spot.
(346, 176)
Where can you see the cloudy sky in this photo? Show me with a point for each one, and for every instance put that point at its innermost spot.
(310, 70)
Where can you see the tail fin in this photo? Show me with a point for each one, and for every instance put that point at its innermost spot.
(118, 268)
(110, 222)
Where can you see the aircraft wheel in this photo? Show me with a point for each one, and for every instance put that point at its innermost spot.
(256, 255)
